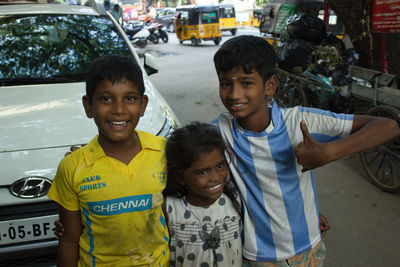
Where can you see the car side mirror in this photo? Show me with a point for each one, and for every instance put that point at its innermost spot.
(150, 64)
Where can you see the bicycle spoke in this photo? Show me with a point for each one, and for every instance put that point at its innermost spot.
(394, 154)
(383, 169)
(394, 170)
(380, 165)
(373, 159)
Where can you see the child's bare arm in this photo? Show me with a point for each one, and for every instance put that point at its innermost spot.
(367, 132)
(68, 245)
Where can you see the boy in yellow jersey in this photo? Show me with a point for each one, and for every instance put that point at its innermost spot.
(110, 191)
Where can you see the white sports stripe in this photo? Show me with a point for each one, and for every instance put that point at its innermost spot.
(273, 202)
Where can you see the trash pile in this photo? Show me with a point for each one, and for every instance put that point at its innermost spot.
(307, 47)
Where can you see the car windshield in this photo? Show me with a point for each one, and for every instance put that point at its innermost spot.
(54, 48)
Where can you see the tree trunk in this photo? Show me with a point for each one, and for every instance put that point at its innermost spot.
(356, 16)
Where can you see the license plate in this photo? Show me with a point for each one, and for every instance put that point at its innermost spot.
(23, 230)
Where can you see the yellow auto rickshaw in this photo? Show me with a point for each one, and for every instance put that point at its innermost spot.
(196, 23)
(255, 17)
(227, 18)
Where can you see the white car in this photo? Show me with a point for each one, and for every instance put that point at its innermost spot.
(45, 50)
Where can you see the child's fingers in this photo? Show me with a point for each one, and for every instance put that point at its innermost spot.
(304, 130)
(57, 234)
(58, 227)
(72, 149)
(323, 234)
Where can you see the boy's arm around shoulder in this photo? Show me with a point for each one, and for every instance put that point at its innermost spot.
(367, 132)
(68, 245)
(62, 191)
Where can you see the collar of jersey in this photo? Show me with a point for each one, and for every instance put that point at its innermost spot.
(93, 151)
(274, 123)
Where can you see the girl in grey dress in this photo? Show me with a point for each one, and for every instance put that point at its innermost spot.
(202, 208)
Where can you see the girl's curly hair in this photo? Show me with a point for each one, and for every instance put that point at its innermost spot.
(184, 147)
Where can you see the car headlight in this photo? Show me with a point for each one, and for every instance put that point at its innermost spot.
(169, 126)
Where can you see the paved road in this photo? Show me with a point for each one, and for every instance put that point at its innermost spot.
(365, 222)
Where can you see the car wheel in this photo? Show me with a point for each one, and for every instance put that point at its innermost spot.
(233, 31)
(217, 40)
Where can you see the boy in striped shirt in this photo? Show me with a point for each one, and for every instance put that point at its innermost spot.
(275, 150)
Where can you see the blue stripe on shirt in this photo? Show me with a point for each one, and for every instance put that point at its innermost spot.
(91, 238)
(254, 195)
(315, 193)
(323, 138)
(285, 164)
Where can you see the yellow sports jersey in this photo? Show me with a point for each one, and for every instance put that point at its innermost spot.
(122, 218)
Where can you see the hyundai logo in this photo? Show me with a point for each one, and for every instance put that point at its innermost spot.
(30, 187)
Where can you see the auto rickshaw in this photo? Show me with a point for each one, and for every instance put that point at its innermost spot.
(227, 18)
(196, 23)
(256, 15)
(276, 13)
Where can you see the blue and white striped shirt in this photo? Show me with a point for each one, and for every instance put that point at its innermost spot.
(281, 212)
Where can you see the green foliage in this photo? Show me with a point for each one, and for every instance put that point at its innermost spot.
(170, 3)
(327, 58)
(261, 2)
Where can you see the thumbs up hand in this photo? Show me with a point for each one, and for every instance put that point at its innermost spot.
(310, 153)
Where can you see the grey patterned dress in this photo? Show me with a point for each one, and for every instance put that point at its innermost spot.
(204, 236)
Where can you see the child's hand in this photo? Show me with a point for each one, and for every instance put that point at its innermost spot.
(59, 229)
(72, 149)
(310, 153)
(323, 225)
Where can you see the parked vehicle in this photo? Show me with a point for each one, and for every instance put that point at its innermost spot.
(45, 52)
(227, 18)
(154, 36)
(166, 16)
(196, 23)
(137, 34)
(162, 32)
(255, 17)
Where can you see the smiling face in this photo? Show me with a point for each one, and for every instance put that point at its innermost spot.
(205, 178)
(245, 97)
(116, 109)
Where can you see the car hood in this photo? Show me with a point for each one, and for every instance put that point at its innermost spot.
(52, 115)
(38, 124)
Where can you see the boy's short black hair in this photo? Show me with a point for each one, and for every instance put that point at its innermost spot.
(114, 68)
(250, 52)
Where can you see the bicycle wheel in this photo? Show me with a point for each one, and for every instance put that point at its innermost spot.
(291, 95)
(383, 163)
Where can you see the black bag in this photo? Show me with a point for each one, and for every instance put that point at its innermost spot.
(294, 53)
(332, 40)
(306, 27)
